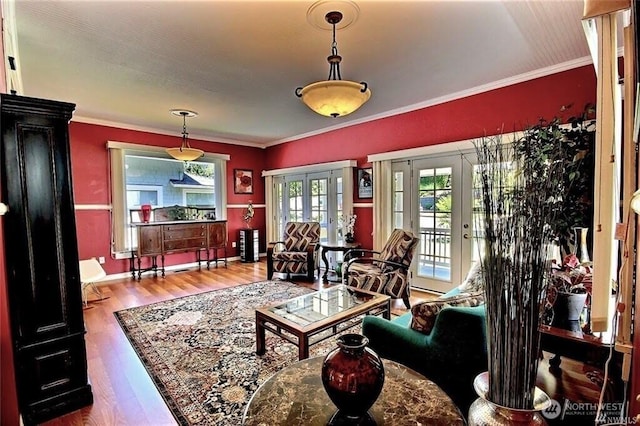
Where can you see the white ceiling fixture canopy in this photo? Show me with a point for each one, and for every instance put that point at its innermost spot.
(185, 152)
(334, 97)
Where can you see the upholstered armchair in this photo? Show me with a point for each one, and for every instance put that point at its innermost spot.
(444, 339)
(386, 271)
(298, 251)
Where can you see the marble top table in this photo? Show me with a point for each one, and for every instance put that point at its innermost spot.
(295, 396)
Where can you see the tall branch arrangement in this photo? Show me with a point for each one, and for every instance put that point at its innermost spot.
(518, 183)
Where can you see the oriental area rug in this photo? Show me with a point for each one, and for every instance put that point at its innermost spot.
(200, 350)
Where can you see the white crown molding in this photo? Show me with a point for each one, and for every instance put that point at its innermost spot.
(123, 275)
(159, 149)
(192, 137)
(542, 72)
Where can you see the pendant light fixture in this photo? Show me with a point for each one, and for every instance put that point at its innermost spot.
(334, 97)
(185, 152)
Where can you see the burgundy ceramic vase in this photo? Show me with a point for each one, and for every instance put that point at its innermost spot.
(353, 375)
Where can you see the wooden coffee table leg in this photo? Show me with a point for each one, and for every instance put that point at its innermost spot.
(303, 347)
(260, 346)
(387, 314)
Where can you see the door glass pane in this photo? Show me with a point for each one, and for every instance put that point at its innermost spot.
(278, 193)
(478, 242)
(319, 205)
(339, 210)
(435, 223)
(398, 200)
(478, 216)
(296, 212)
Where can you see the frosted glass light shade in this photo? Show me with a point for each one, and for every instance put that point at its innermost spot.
(335, 98)
(635, 202)
(185, 154)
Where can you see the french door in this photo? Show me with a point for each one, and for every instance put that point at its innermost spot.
(310, 197)
(437, 203)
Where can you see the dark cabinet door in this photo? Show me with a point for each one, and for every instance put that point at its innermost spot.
(149, 240)
(43, 279)
(217, 235)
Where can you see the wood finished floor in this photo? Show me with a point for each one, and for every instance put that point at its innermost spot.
(122, 390)
(125, 395)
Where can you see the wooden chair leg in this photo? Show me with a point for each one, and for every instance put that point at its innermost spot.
(406, 301)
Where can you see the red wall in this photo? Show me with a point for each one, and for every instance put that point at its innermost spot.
(91, 185)
(9, 415)
(512, 108)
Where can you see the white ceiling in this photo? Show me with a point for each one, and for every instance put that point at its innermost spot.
(238, 63)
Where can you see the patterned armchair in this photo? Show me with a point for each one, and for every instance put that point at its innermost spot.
(386, 271)
(297, 253)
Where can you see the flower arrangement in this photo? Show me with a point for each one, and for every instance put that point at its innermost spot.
(247, 216)
(348, 225)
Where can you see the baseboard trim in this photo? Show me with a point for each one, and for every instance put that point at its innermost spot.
(172, 268)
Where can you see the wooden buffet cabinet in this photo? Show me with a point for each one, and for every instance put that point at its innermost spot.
(162, 238)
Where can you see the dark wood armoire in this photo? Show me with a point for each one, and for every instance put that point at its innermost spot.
(41, 254)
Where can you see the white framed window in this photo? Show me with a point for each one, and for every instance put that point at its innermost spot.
(196, 197)
(138, 195)
(148, 175)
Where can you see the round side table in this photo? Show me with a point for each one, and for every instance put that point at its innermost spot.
(295, 396)
(337, 247)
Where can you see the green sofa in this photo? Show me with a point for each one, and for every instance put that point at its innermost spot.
(451, 355)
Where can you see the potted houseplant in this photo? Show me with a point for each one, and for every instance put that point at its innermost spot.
(518, 207)
(575, 136)
(567, 293)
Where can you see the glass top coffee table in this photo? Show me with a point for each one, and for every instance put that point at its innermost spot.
(314, 317)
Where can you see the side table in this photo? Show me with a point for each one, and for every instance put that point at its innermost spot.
(337, 247)
(295, 396)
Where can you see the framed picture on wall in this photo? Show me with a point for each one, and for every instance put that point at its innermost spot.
(365, 183)
(242, 181)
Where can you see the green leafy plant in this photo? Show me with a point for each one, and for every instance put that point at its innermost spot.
(573, 199)
(570, 276)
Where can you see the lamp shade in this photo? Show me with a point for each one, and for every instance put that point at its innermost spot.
(185, 153)
(335, 98)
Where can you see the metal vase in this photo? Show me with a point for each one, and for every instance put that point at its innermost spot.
(580, 241)
(485, 413)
